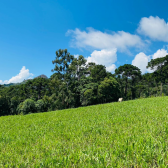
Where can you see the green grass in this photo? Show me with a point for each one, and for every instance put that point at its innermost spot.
(128, 134)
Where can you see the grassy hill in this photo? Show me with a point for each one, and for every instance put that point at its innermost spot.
(128, 134)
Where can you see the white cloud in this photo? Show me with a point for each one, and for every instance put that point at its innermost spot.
(104, 57)
(141, 60)
(102, 40)
(159, 53)
(76, 55)
(111, 68)
(24, 74)
(154, 27)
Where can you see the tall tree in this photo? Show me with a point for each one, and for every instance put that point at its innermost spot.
(38, 87)
(62, 62)
(108, 90)
(63, 77)
(127, 72)
(148, 80)
(98, 73)
(160, 66)
(88, 93)
(77, 67)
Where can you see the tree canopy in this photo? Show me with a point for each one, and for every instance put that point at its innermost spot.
(76, 83)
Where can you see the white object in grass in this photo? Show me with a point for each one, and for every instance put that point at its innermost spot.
(120, 99)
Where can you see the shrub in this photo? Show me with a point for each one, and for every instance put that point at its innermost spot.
(108, 90)
(47, 102)
(40, 106)
(26, 107)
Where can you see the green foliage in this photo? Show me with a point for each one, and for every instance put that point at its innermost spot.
(28, 106)
(37, 88)
(19, 108)
(148, 80)
(108, 90)
(98, 73)
(128, 70)
(125, 73)
(88, 94)
(14, 102)
(76, 84)
(77, 67)
(47, 102)
(160, 65)
(88, 97)
(62, 61)
(40, 106)
(4, 106)
(55, 103)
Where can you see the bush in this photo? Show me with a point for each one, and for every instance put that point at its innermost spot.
(108, 90)
(40, 106)
(19, 108)
(47, 102)
(26, 107)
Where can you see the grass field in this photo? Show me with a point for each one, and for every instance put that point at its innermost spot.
(128, 134)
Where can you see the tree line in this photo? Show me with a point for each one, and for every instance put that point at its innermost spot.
(75, 83)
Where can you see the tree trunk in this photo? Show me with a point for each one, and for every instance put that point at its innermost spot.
(39, 95)
(156, 87)
(161, 89)
(126, 88)
(148, 91)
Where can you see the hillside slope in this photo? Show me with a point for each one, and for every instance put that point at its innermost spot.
(128, 134)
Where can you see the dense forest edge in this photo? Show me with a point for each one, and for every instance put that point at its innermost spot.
(76, 83)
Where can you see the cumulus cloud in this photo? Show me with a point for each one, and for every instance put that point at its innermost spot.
(24, 74)
(104, 57)
(111, 68)
(102, 40)
(154, 27)
(159, 53)
(141, 60)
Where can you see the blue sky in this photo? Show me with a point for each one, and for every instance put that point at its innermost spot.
(111, 33)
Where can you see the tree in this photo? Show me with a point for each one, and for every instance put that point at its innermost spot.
(148, 79)
(62, 61)
(38, 87)
(23, 92)
(27, 106)
(40, 106)
(88, 92)
(160, 66)
(4, 106)
(47, 102)
(67, 70)
(108, 90)
(14, 102)
(77, 67)
(98, 73)
(127, 72)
